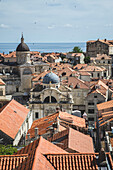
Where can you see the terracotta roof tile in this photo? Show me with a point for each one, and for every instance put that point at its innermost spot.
(73, 161)
(80, 142)
(79, 66)
(12, 117)
(35, 151)
(77, 121)
(68, 71)
(105, 105)
(93, 69)
(73, 141)
(45, 123)
(9, 162)
(76, 81)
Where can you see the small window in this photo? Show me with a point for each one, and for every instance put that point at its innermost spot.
(36, 115)
(91, 119)
(17, 89)
(90, 103)
(98, 75)
(95, 96)
(90, 111)
(108, 62)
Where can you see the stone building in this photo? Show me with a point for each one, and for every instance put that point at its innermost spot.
(17, 75)
(95, 71)
(46, 96)
(103, 60)
(75, 58)
(95, 47)
(100, 92)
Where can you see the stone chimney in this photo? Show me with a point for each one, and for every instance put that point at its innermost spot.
(36, 132)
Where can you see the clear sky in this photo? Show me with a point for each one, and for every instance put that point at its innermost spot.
(55, 20)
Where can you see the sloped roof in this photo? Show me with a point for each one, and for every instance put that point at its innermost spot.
(45, 123)
(10, 55)
(71, 139)
(41, 154)
(105, 105)
(77, 121)
(80, 142)
(79, 66)
(9, 162)
(76, 81)
(93, 69)
(103, 56)
(73, 161)
(67, 70)
(12, 117)
(35, 151)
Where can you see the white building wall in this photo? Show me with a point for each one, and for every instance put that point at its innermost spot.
(24, 128)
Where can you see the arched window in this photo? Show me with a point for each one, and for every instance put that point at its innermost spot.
(53, 100)
(27, 71)
(46, 100)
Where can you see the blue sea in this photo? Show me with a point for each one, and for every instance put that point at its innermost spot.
(43, 47)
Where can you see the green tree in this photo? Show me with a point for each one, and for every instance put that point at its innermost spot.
(7, 150)
(87, 60)
(77, 50)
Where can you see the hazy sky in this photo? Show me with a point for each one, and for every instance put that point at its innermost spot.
(55, 20)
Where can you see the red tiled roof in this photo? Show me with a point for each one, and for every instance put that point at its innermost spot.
(108, 42)
(73, 161)
(93, 69)
(84, 73)
(35, 151)
(42, 124)
(79, 66)
(45, 123)
(73, 141)
(41, 154)
(12, 117)
(76, 81)
(10, 55)
(80, 142)
(9, 162)
(105, 105)
(67, 70)
(77, 121)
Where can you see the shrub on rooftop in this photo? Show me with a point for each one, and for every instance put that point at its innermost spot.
(7, 150)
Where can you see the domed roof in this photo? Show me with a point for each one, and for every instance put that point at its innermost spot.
(50, 77)
(22, 46)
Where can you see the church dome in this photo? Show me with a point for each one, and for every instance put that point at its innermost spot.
(22, 46)
(51, 77)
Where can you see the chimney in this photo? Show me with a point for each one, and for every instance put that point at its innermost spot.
(28, 136)
(102, 159)
(58, 123)
(36, 133)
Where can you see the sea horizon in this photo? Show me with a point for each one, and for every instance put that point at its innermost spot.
(44, 47)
